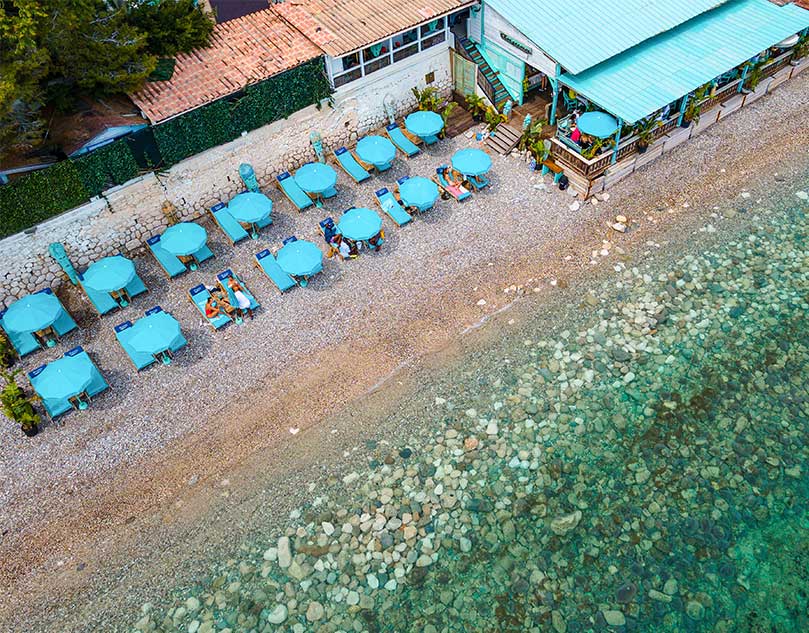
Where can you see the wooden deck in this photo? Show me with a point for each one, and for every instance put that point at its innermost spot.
(459, 120)
(536, 106)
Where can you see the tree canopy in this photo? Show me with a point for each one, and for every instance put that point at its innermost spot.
(53, 50)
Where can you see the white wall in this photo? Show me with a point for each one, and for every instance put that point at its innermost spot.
(394, 82)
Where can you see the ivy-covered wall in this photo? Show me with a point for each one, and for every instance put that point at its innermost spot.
(31, 199)
(260, 104)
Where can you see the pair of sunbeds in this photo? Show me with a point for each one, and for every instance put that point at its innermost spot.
(124, 332)
(200, 294)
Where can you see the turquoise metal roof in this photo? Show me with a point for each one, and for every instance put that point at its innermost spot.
(582, 33)
(646, 78)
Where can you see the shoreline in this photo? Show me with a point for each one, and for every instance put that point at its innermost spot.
(163, 510)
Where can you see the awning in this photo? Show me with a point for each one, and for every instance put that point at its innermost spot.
(649, 76)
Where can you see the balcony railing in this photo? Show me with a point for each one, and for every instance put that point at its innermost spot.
(594, 167)
(720, 95)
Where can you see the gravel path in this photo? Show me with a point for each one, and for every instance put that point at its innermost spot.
(123, 465)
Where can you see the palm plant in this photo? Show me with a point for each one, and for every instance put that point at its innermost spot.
(494, 118)
(476, 106)
(428, 99)
(644, 130)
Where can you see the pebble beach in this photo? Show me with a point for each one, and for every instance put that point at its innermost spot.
(552, 485)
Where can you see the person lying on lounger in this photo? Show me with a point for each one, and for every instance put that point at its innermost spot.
(242, 300)
(455, 182)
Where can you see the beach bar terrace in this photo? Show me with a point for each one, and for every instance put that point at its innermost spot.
(668, 82)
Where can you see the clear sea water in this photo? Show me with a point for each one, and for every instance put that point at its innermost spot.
(649, 471)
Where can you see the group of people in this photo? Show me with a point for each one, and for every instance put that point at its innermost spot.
(234, 303)
(347, 249)
(582, 140)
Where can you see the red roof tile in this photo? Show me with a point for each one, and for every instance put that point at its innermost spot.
(342, 26)
(243, 51)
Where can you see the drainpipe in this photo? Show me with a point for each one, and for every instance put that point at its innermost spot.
(617, 141)
(683, 106)
(555, 85)
(744, 77)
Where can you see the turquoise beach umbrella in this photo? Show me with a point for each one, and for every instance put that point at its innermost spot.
(109, 274)
(300, 258)
(359, 224)
(155, 333)
(419, 192)
(183, 239)
(425, 124)
(64, 378)
(471, 162)
(250, 207)
(598, 124)
(316, 177)
(376, 150)
(32, 313)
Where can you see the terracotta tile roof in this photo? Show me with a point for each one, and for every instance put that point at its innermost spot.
(242, 51)
(342, 26)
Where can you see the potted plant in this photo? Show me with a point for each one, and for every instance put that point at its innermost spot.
(645, 132)
(694, 106)
(599, 144)
(493, 119)
(428, 99)
(755, 74)
(447, 109)
(476, 106)
(8, 355)
(17, 406)
(801, 50)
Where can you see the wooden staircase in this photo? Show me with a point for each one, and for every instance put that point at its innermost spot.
(504, 140)
(487, 77)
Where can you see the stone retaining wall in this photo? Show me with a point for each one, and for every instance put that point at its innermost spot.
(124, 217)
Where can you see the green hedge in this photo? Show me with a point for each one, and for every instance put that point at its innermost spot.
(106, 167)
(31, 199)
(222, 121)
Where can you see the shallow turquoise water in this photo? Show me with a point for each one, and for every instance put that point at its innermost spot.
(645, 471)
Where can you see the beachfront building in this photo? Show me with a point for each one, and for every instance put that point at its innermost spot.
(376, 52)
(649, 66)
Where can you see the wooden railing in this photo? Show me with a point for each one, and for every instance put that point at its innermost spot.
(721, 95)
(482, 80)
(594, 167)
(776, 64)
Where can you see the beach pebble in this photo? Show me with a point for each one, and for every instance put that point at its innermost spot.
(614, 617)
(315, 611)
(284, 552)
(802, 195)
(278, 615)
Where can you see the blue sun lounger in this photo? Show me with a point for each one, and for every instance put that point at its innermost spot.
(170, 264)
(230, 226)
(460, 194)
(350, 165)
(390, 205)
(199, 297)
(222, 278)
(296, 195)
(267, 263)
(478, 182)
(399, 139)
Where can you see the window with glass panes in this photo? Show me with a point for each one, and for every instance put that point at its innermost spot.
(377, 56)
